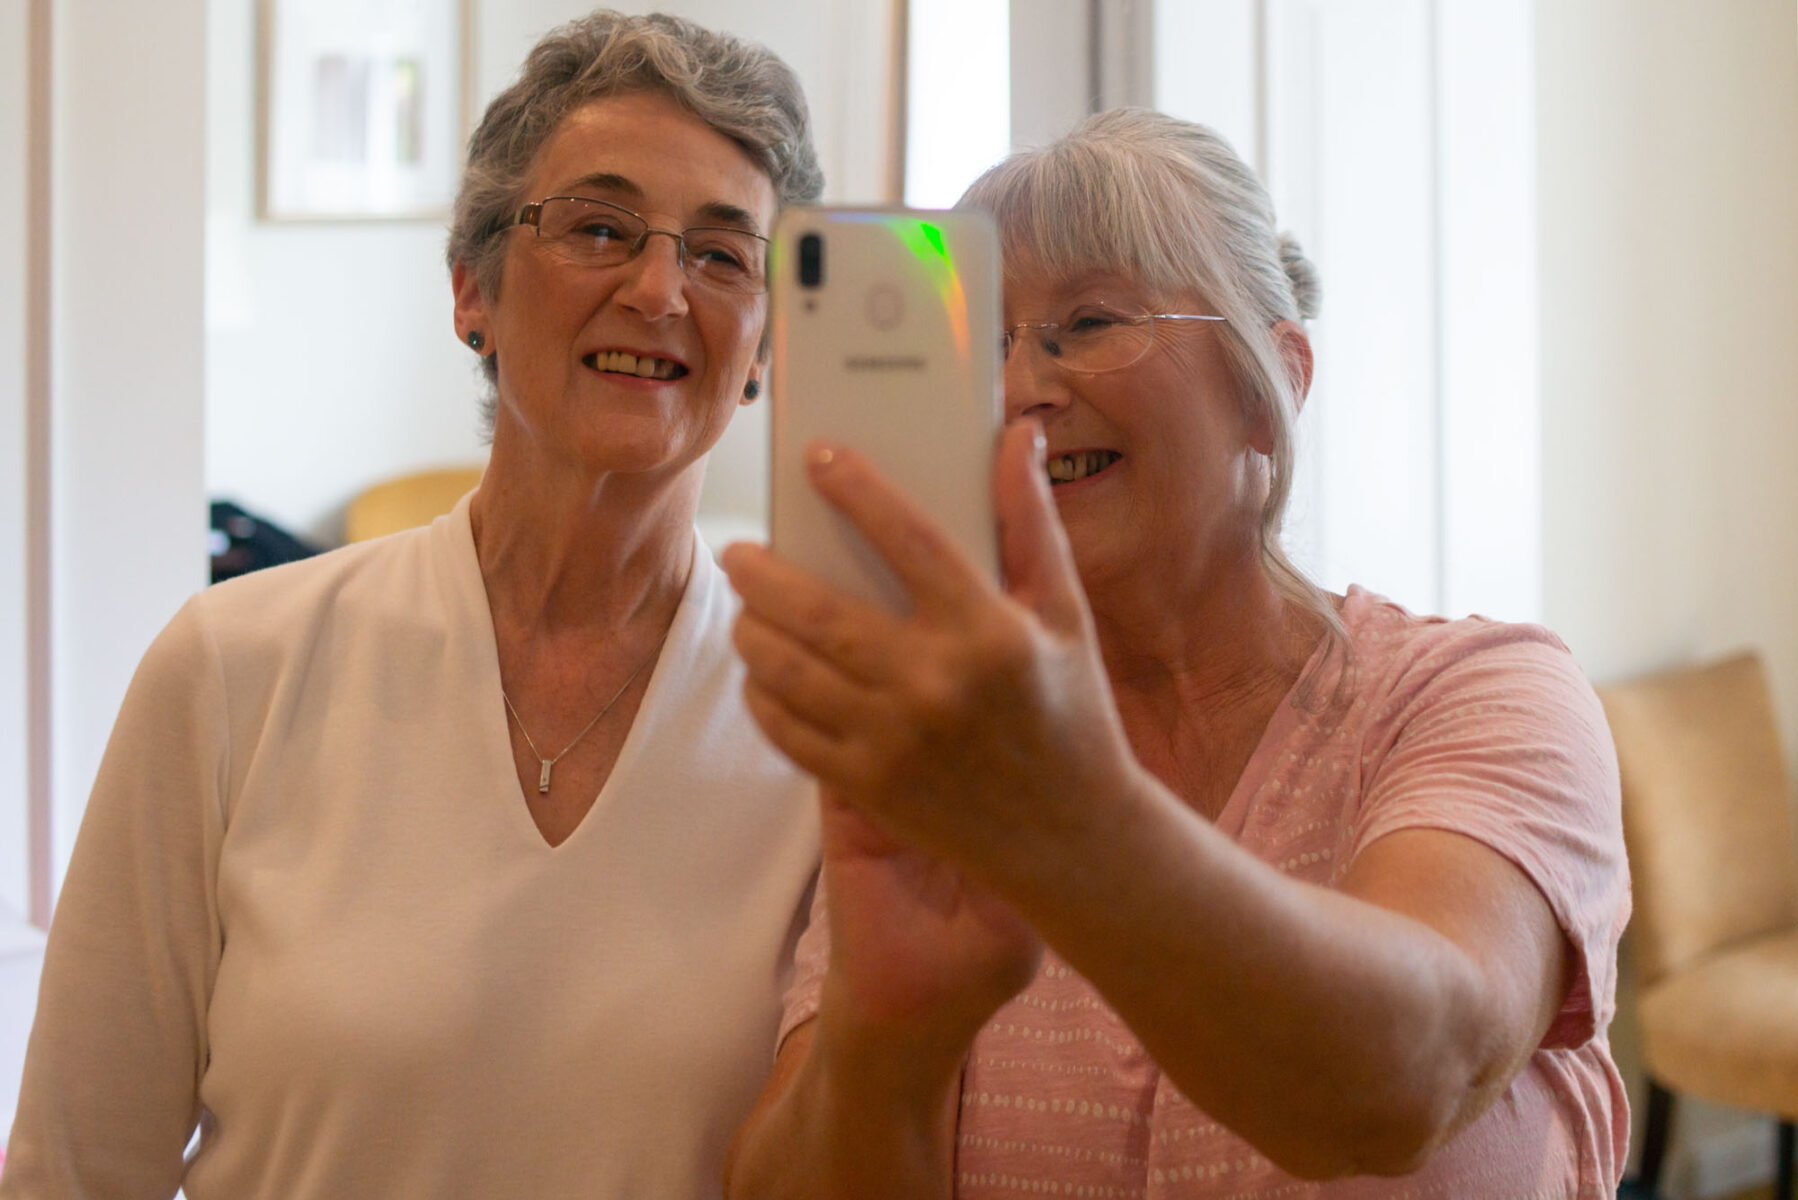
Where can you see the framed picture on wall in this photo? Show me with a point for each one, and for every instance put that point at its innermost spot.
(363, 107)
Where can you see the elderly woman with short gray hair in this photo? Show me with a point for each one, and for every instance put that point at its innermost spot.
(449, 864)
(1160, 872)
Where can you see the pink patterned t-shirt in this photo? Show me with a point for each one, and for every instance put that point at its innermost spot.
(1480, 728)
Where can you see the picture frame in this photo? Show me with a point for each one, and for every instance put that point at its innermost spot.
(363, 107)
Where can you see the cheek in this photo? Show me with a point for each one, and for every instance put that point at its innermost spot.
(742, 335)
(536, 303)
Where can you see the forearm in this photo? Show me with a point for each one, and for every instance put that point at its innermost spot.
(1334, 1035)
(840, 1120)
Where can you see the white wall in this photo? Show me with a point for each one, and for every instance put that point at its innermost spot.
(1490, 483)
(119, 397)
(331, 359)
(1668, 184)
(127, 531)
(1049, 69)
(14, 173)
(1395, 137)
(1669, 278)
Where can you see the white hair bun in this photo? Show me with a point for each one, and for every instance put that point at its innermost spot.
(1307, 293)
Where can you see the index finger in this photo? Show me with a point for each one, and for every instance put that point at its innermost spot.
(851, 633)
(932, 566)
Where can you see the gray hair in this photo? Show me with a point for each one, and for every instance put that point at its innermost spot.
(1170, 203)
(740, 88)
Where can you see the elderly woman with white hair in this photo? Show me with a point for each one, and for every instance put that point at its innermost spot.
(449, 864)
(1159, 871)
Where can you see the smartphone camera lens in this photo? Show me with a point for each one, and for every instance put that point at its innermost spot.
(811, 260)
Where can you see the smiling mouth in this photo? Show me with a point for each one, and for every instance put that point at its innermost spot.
(1067, 468)
(617, 362)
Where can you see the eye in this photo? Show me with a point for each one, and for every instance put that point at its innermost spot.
(719, 253)
(720, 256)
(1090, 319)
(601, 229)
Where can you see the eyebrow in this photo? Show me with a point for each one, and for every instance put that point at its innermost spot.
(712, 212)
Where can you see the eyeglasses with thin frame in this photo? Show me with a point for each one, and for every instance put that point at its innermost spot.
(597, 233)
(1096, 338)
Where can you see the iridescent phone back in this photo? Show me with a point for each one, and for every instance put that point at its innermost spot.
(885, 338)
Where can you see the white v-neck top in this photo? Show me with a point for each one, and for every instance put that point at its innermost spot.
(308, 902)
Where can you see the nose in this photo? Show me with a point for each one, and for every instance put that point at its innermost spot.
(655, 279)
(1033, 385)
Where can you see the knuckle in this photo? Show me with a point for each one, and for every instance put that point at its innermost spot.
(1009, 650)
(1003, 660)
(819, 610)
(758, 645)
(940, 695)
(787, 671)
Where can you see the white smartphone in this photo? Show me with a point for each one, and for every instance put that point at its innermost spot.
(885, 339)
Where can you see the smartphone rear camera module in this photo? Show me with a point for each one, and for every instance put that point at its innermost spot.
(811, 260)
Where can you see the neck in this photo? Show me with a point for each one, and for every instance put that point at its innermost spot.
(562, 554)
(1212, 659)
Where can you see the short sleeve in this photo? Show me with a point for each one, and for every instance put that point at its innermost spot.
(811, 959)
(111, 1087)
(1492, 732)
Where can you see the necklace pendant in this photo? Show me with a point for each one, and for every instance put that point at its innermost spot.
(543, 777)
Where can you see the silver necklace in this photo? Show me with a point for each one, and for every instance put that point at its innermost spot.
(547, 763)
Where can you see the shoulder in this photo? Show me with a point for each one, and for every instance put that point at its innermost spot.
(1491, 730)
(396, 587)
(1384, 630)
(1400, 659)
(1497, 714)
(264, 598)
(1505, 693)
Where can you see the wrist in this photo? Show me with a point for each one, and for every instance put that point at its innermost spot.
(1058, 865)
(902, 1068)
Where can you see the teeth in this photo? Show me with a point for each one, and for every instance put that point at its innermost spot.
(1068, 467)
(630, 364)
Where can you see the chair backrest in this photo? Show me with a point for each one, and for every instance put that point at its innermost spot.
(410, 500)
(1707, 811)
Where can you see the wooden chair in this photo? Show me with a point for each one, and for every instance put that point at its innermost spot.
(409, 500)
(1708, 820)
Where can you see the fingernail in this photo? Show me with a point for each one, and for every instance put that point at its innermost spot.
(819, 455)
(1039, 444)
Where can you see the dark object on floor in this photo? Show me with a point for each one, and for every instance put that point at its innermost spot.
(243, 542)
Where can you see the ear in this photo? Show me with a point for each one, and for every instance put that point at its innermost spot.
(471, 307)
(1295, 352)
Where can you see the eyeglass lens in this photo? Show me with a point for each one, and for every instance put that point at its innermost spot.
(595, 233)
(1090, 339)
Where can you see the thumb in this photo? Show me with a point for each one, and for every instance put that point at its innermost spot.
(1033, 547)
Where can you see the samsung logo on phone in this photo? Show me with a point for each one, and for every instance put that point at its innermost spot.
(885, 362)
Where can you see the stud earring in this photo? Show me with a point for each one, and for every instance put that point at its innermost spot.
(475, 340)
(752, 389)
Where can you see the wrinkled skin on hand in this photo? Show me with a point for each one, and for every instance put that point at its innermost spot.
(947, 742)
(920, 956)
